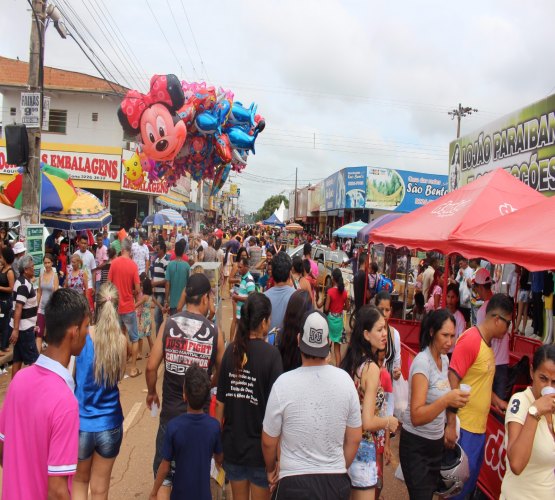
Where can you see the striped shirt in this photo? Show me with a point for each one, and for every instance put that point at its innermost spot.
(159, 274)
(25, 294)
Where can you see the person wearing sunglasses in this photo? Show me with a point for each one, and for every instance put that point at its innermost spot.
(482, 286)
(472, 369)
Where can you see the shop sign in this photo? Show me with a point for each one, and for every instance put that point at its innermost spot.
(30, 109)
(315, 201)
(34, 244)
(146, 186)
(402, 190)
(522, 142)
(183, 186)
(334, 191)
(233, 189)
(80, 166)
(355, 187)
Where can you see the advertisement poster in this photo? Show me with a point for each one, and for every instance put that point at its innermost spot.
(355, 187)
(79, 165)
(34, 244)
(522, 142)
(141, 186)
(30, 109)
(402, 190)
(330, 190)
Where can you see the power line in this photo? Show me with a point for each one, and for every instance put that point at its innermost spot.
(182, 40)
(76, 31)
(165, 38)
(195, 41)
(121, 41)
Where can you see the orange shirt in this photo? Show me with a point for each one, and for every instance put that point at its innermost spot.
(474, 363)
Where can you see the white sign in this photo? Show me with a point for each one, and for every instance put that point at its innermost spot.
(45, 113)
(81, 166)
(30, 109)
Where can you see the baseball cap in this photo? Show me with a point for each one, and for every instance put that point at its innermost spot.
(315, 335)
(482, 277)
(18, 248)
(198, 284)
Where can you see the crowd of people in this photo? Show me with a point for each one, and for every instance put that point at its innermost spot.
(293, 404)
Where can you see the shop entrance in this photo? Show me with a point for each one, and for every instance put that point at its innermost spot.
(129, 211)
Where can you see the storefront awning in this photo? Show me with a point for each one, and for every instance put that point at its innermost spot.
(169, 201)
(194, 207)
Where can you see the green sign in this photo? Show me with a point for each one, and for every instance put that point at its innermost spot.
(34, 244)
(523, 143)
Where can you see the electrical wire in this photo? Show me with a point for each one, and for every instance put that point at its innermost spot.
(165, 38)
(182, 40)
(195, 41)
(77, 33)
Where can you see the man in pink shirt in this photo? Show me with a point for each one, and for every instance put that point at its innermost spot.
(307, 251)
(39, 422)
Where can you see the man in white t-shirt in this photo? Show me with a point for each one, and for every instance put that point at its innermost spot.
(313, 413)
(89, 263)
(141, 255)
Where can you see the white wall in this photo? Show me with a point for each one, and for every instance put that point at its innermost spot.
(80, 128)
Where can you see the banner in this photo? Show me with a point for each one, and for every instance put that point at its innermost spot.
(355, 187)
(30, 109)
(522, 142)
(402, 190)
(103, 167)
(146, 186)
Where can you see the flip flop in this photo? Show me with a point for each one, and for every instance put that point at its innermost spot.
(136, 374)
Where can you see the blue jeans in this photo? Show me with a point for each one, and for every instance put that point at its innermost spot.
(255, 475)
(158, 315)
(129, 320)
(106, 443)
(473, 445)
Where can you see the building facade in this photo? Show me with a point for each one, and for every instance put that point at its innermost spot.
(82, 135)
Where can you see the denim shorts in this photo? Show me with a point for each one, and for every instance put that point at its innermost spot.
(105, 443)
(129, 320)
(255, 475)
(25, 349)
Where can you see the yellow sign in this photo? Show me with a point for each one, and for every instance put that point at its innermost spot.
(233, 189)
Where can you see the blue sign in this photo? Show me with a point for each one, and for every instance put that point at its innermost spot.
(401, 190)
(330, 192)
(355, 187)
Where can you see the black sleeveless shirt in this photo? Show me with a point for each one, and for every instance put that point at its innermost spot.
(188, 339)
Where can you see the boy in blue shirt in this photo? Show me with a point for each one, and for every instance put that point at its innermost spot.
(190, 442)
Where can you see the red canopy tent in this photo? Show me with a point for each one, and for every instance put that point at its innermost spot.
(455, 215)
(525, 237)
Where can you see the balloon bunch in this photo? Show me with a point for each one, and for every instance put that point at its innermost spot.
(187, 127)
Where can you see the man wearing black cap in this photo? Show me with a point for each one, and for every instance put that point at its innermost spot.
(314, 414)
(184, 339)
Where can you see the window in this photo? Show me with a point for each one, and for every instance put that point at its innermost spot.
(95, 117)
(57, 121)
(12, 111)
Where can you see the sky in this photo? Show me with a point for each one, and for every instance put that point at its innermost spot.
(339, 83)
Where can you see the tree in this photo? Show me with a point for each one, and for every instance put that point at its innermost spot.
(270, 206)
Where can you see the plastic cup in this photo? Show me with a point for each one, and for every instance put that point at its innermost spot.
(154, 410)
(465, 387)
(548, 390)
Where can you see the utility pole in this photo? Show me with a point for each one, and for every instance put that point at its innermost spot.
(295, 210)
(460, 113)
(30, 191)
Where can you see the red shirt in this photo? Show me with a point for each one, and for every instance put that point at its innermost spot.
(337, 300)
(124, 274)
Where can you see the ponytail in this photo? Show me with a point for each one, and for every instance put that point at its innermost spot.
(338, 278)
(256, 309)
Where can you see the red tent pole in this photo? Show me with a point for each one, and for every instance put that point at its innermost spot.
(445, 280)
(366, 269)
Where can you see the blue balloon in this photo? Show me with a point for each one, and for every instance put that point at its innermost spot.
(207, 123)
(240, 115)
(241, 140)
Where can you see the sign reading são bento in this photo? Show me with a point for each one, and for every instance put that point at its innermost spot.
(523, 143)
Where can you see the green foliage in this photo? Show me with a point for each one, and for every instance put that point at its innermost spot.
(270, 206)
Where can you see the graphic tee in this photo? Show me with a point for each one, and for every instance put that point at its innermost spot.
(189, 338)
(245, 396)
(190, 442)
(537, 480)
(474, 364)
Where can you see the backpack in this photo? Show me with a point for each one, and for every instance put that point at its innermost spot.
(383, 283)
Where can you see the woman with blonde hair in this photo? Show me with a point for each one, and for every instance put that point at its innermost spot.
(98, 369)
